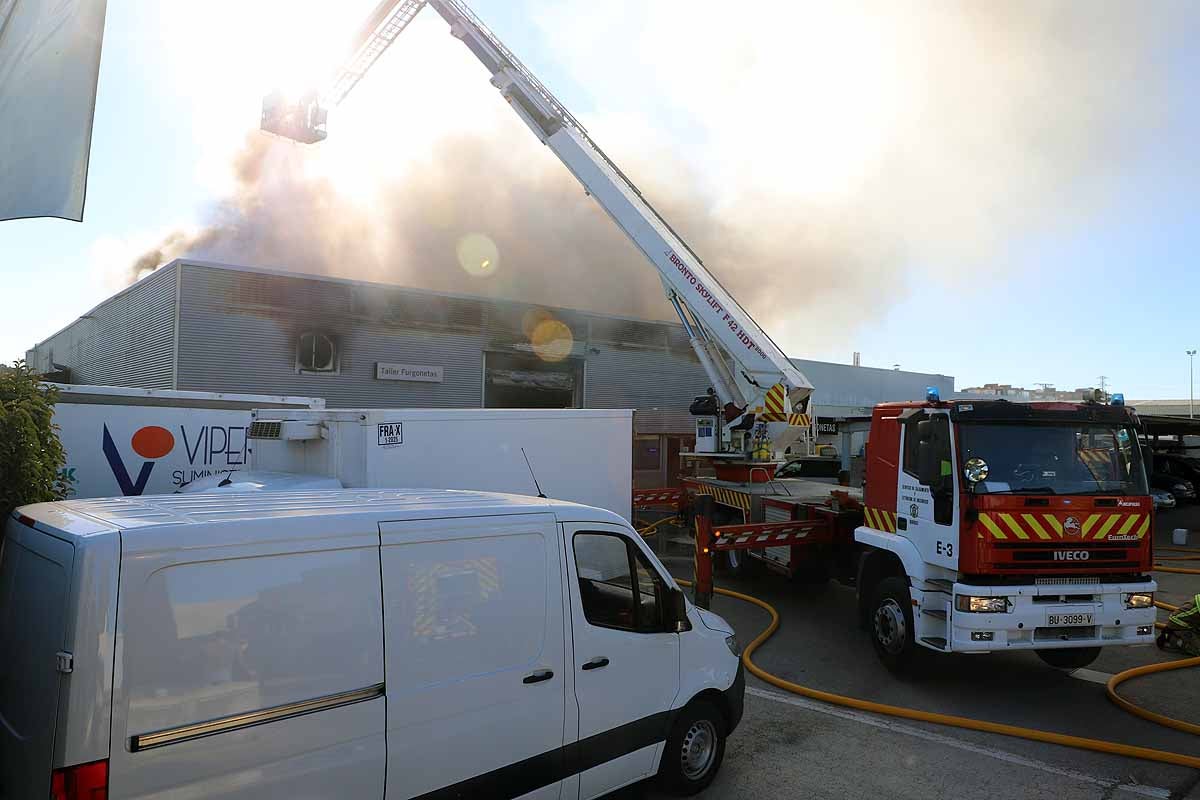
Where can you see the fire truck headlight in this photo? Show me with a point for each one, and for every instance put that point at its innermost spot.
(1139, 600)
(981, 605)
(976, 470)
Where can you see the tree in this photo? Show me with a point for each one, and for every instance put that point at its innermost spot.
(31, 456)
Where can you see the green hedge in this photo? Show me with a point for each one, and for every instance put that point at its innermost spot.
(31, 456)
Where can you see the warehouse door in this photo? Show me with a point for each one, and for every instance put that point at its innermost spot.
(518, 381)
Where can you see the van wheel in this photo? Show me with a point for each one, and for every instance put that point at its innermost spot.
(1071, 658)
(694, 751)
(891, 624)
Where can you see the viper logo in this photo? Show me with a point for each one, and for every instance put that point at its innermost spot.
(151, 442)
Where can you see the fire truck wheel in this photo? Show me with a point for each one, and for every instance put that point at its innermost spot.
(892, 630)
(694, 750)
(740, 564)
(1072, 658)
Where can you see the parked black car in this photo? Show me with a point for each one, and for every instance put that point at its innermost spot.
(1178, 466)
(1166, 472)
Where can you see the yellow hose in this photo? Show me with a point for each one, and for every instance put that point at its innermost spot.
(1161, 719)
(1176, 570)
(1033, 734)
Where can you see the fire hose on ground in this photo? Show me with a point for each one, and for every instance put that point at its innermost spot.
(968, 723)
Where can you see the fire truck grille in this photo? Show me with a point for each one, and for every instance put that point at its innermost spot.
(1068, 580)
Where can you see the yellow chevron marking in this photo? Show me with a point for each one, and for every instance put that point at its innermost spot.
(1107, 526)
(1014, 526)
(1036, 526)
(870, 518)
(775, 398)
(1127, 526)
(986, 519)
(891, 520)
(1054, 523)
(1145, 526)
(1087, 525)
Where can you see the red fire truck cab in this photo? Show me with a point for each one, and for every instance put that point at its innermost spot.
(990, 525)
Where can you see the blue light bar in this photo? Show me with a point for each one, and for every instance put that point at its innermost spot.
(1116, 399)
(932, 394)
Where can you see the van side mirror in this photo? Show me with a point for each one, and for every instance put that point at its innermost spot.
(676, 611)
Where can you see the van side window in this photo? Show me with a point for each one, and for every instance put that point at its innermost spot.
(617, 587)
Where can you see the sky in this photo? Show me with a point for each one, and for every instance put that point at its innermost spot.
(1002, 193)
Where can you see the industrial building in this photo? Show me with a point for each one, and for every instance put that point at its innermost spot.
(195, 325)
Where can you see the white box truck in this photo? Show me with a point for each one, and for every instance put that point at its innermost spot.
(128, 441)
(581, 455)
(363, 644)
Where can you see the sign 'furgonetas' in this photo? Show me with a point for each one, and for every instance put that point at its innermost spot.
(408, 372)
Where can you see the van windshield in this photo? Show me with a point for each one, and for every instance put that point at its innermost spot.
(1072, 458)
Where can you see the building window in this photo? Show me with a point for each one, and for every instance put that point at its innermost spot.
(647, 454)
(518, 381)
(317, 352)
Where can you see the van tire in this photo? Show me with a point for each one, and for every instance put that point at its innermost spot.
(694, 750)
(891, 624)
(1072, 658)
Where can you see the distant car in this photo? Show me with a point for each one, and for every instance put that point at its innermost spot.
(810, 467)
(1162, 499)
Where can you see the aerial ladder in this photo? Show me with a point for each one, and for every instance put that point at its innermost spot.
(756, 406)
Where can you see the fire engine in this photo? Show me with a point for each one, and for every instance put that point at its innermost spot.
(984, 525)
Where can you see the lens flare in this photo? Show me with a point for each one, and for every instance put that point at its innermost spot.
(552, 340)
(531, 319)
(477, 255)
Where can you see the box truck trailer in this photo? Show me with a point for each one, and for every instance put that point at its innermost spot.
(581, 455)
(128, 441)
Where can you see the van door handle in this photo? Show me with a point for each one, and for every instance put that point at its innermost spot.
(596, 663)
(539, 676)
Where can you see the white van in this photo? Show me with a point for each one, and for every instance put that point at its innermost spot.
(350, 644)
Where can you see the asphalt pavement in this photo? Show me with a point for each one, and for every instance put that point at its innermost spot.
(789, 746)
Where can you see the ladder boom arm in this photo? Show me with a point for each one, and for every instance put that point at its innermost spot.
(758, 362)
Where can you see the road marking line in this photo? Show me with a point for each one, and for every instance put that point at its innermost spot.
(991, 752)
(1092, 676)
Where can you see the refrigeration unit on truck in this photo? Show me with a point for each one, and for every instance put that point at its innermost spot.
(581, 455)
(983, 526)
(128, 441)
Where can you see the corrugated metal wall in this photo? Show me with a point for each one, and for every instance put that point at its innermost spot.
(128, 340)
(238, 332)
(846, 390)
(659, 378)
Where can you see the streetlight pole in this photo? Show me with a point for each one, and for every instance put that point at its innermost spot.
(1191, 384)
